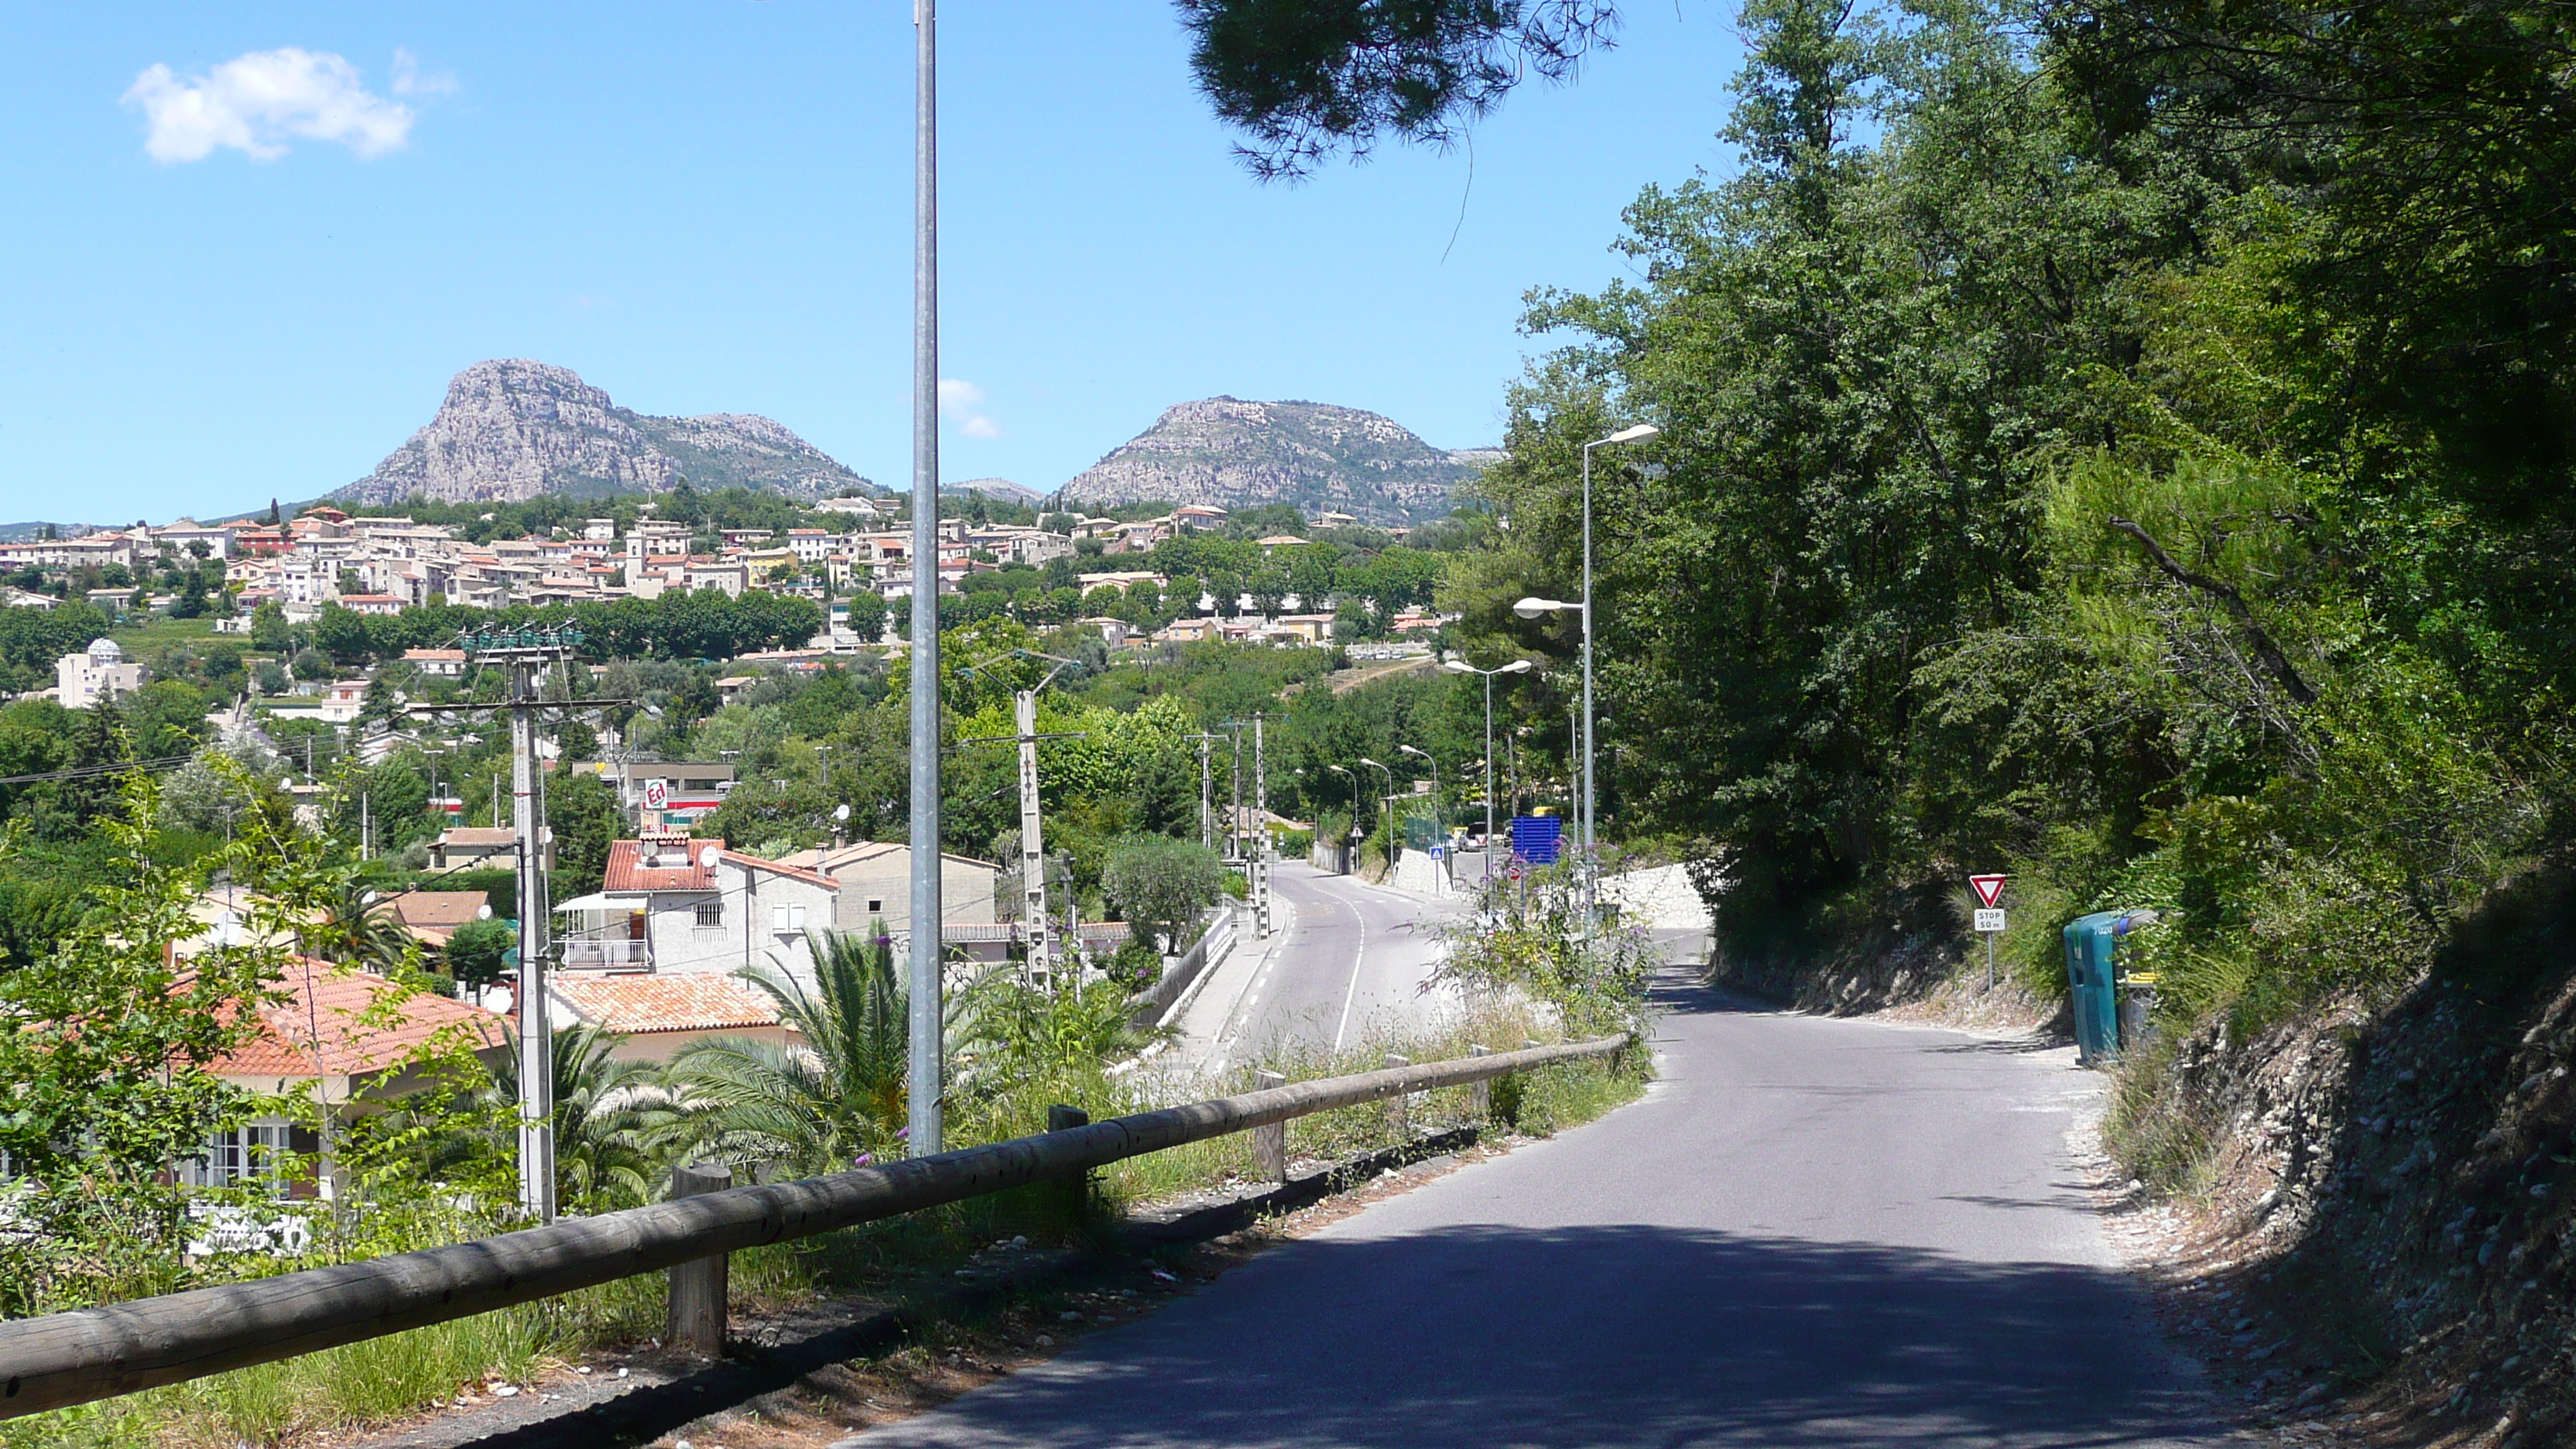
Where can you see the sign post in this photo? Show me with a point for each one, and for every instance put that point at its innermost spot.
(1990, 917)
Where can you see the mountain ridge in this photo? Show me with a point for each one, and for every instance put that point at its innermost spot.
(514, 428)
(1312, 456)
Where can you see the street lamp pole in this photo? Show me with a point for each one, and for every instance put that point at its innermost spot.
(1461, 666)
(1386, 808)
(1587, 801)
(923, 1127)
(1355, 801)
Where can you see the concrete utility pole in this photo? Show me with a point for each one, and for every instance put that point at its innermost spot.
(1033, 909)
(928, 1058)
(1260, 872)
(527, 655)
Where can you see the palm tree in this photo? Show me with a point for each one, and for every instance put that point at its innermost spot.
(358, 928)
(610, 1119)
(829, 1102)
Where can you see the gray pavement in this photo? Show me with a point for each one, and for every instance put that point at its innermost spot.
(1352, 955)
(1811, 1232)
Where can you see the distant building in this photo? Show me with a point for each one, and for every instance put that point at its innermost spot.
(468, 848)
(437, 663)
(99, 675)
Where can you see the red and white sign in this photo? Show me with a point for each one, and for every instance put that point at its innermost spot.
(1990, 888)
(657, 794)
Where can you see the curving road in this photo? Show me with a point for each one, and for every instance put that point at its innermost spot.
(1811, 1232)
(1350, 956)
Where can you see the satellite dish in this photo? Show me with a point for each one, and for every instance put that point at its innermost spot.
(707, 857)
(484, 913)
(840, 812)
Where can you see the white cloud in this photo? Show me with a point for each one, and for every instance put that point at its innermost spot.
(408, 80)
(963, 401)
(256, 103)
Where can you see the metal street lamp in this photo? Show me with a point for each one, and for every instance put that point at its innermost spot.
(1461, 666)
(1355, 800)
(1386, 808)
(1425, 755)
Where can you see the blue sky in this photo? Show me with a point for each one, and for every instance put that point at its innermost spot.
(705, 207)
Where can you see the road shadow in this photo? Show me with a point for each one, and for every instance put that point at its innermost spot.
(1608, 1335)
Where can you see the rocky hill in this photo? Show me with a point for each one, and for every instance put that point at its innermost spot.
(1313, 456)
(513, 429)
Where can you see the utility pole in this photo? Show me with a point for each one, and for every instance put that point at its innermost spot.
(1260, 869)
(527, 655)
(1033, 909)
(1207, 798)
(1234, 821)
(928, 1056)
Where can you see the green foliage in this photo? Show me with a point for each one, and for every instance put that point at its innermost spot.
(837, 1099)
(1528, 937)
(1163, 884)
(475, 951)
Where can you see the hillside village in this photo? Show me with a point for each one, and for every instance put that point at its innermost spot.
(374, 564)
(322, 649)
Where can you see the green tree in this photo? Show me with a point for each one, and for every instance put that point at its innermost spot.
(476, 951)
(1163, 884)
(836, 1100)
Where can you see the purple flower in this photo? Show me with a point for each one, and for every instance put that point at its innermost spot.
(863, 1159)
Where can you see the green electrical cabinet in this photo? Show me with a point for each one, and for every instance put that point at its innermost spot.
(2095, 982)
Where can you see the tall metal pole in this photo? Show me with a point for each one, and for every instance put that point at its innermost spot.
(928, 1064)
(1489, 773)
(1590, 866)
(536, 1032)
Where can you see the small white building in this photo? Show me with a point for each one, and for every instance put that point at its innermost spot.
(672, 904)
(96, 676)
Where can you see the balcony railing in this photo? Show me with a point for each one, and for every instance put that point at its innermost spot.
(609, 953)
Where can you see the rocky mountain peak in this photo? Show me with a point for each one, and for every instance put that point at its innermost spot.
(514, 428)
(1312, 456)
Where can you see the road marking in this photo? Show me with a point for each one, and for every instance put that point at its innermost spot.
(1353, 993)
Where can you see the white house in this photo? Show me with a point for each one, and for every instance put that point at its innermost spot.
(97, 676)
(672, 904)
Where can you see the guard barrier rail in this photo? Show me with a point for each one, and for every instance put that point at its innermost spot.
(96, 1353)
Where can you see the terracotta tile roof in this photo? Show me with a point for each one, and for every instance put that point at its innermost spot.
(439, 908)
(776, 867)
(690, 1001)
(341, 1005)
(476, 837)
(627, 871)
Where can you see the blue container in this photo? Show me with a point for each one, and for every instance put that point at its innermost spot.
(1537, 839)
(2093, 980)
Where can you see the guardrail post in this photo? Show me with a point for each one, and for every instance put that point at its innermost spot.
(698, 1287)
(1270, 1143)
(1071, 1194)
(1480, 1095)
(1399, 1115)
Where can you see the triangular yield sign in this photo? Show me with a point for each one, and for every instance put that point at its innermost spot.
(1990, 888)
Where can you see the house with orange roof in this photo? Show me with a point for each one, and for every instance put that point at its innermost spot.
(661, 1015)
(350, 1040)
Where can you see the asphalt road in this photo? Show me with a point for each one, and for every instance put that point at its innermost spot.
(1811, 1232)
(1353, 956)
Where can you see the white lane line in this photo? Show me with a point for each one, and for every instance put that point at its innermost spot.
(1353, 993)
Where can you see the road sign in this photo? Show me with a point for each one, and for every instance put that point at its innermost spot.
(1515, 871)
(1990, 889)
(1990, 920)
(657, 794)
(1439, 852)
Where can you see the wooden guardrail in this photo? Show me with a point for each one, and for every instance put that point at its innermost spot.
(97, 1353)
